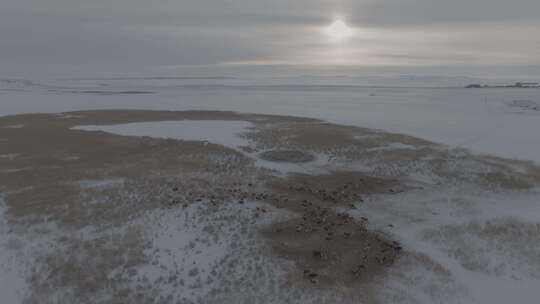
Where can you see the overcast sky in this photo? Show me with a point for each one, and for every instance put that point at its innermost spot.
(37, 35)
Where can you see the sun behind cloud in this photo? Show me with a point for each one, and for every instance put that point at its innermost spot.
(339, 31)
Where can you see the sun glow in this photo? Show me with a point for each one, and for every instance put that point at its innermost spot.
(339, 31)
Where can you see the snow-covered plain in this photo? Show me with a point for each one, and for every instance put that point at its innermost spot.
(487, 242)
(437, 109)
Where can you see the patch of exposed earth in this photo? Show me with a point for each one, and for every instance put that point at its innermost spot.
(96, 217)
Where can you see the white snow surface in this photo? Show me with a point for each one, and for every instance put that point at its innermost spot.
(489, 244)
(12, 279)
(221, 132)
(19, 246)
(200, 248)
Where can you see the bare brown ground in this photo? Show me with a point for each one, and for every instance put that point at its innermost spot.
(331, 247)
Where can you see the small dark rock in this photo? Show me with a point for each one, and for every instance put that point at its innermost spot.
(291, 156)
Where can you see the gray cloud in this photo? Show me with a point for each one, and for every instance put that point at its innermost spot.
(132, 34)
(429, 12)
